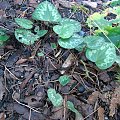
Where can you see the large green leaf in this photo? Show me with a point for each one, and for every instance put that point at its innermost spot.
(67, 28)
(46, 11)
(75, 24)
(64, 80)
(113, 33)
(94, 42)
(54, 97)
(71, 42)
(103, 57)
(25, 23)
(25, 36)
(96, 20)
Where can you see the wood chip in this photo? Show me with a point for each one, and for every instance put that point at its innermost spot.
(101, 113)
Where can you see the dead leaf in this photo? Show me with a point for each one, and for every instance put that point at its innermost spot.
(101, 113)
(91, 4)
(93, 97)
(2, 116)
(20, 61)
(68, 62)
(2, 89)
(115, 100)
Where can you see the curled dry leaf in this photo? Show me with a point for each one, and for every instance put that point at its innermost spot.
(68, 62)
(114, 101)
(101, 113)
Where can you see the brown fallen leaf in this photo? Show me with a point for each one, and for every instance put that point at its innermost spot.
(68, 62)
(115, 100)
(93, 97)
(20, 61)
(2, 89)
(2, 116)
(101, 113)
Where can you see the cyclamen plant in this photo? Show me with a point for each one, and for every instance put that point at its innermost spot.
(98, 50)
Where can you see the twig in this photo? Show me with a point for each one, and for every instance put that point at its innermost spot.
(24, 104)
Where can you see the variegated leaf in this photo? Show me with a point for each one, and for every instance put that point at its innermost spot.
(54, 97)
(25, 36)
(103, 57)
(67, 28)
(94, 42)
(71, 42)
(46, 11)
(25, 23)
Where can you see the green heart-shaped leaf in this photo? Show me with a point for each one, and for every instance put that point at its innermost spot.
(64, 80)
(103, 57)
(71, 42)
(64, 31)
(67, 28)
(94, 42)
(46, 11)
(54, 97)
(25, 36)
(25, 23)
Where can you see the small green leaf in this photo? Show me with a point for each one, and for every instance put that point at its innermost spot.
(54, 97)
(71, 107)
(46, 11)
(25, 23)
(94, 42)
(4, 38)
(71, 42)
(104, 56)
(25, 36)
(40, 54)
(41, 33)
(64, 80)
(67, 28)
(53, 45)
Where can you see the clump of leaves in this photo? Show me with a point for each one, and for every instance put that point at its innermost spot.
(3, 37)
(25, 34)
(98, 48)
